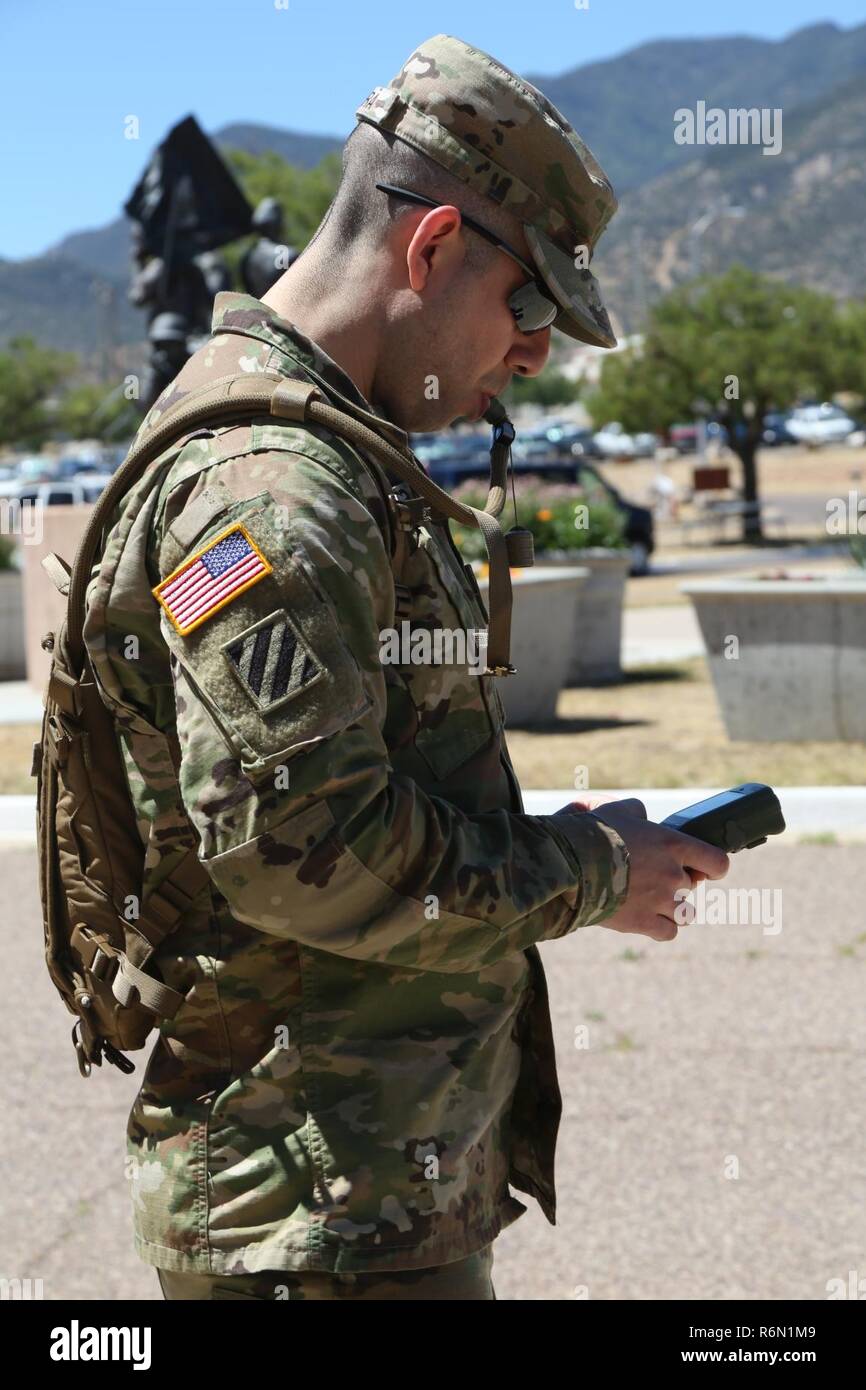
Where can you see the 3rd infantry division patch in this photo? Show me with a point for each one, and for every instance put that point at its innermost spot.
(227, 566)
(272, 661)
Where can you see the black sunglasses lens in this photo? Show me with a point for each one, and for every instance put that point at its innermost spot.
(532, 309)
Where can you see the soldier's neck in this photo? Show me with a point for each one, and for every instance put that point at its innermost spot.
(345, 321)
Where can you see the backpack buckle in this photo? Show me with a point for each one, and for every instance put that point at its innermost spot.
(411, 510)
(97, 955)
(117, 1059)
(83, 1061)
(403, 601)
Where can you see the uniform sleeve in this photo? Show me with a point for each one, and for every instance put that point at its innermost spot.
(272, 599)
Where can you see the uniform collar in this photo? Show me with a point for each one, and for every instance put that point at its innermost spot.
(241, 313)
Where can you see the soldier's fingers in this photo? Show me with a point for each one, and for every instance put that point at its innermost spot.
(664, 929)
(699, 856)
(629, 805)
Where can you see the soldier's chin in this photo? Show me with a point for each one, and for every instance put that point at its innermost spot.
(440, 419)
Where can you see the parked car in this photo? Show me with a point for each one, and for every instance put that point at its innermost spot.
(528, 451)
(645, 444)
(71, 465)
(612, 442)
(639, 529)
(113, 455)
(92, 484)
(571, 439)
(65, 492)
(775, 429)
(451, 459)
(684, 438)
(814, 425)
(37, 469)
(454, 460)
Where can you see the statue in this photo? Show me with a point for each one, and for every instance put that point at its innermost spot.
(264, 262)
(186, 204)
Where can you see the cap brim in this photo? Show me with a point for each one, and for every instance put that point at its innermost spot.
(583, 315)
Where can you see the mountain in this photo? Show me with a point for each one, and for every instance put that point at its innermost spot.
(304, 151)
(623, 107)
(803, 211)
(57, 301)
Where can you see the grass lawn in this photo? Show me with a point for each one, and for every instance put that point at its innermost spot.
(662, 728)
(16, 752)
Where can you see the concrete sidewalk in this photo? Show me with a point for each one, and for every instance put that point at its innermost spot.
(658, 635)
(714, 1105)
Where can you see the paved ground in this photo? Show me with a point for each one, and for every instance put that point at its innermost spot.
(729, 1047)
(666, 633)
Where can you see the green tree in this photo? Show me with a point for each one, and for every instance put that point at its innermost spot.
(91, 412)
(852, 349)
(732, 346)
(29, 376)
(304, 194)
(550, 387)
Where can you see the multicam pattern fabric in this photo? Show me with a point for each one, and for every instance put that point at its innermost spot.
(363, 1062)
(466, 1281)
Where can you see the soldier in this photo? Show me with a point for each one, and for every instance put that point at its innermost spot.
(362, 1066)
(264, 262)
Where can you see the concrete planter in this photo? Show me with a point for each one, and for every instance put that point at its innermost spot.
(799, 672)
(542, 628)
(61, 530)
(12, 660)
(597, 642)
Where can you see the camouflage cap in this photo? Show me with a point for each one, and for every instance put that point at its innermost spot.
(501, 135)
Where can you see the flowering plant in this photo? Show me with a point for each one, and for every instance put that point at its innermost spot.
(560, 517)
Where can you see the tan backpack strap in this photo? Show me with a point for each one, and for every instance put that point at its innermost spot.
(152, 993)
(500, 596)
(173, 898)
(165, 906)
(58, 571)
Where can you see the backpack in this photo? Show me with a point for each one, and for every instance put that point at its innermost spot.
(90, 849)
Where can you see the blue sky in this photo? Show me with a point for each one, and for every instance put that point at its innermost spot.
(74, 69)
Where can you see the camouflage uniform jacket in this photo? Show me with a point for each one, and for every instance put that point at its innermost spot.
(363, 1060)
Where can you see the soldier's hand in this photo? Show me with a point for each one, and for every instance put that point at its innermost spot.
(662, 861)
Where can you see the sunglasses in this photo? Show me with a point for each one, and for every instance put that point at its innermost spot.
(531, 305)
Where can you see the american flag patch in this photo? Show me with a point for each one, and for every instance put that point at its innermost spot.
(211, 578)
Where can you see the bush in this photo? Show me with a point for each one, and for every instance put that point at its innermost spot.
(7, 550)
(560, 518)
